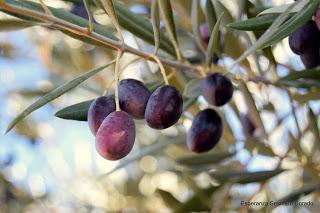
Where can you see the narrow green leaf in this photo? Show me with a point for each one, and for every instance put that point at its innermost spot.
(76, 112)
(7, 25)
(314, 126)
(192, 88)
(244, 177)
(167, 17)
(168, 199)
(305, 190)
(307, 74)
(109, 7)
(258, 147)
(55, 94)
(273, 29)
(195, 22)
(282, 8)
(142, 28)
(155, 20)
(254, 24)
(213, 46)
(294, 23)
(203, 159)
(254, 113)
(210, 13)
(148, 150)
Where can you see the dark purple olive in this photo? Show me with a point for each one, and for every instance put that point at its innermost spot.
(217, 89)
(205, 132)
(311, 59)
(205, 33)
(164, 107)
(133, 97)
(248, 125)
(304, 38)
(80, 10)
(99, 109)
(116, 135)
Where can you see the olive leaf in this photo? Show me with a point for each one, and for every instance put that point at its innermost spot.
(314, 126)
(305, 190)
(254, 24)
(7, 25)
(109, 7)
(294, 23)
(168, 199)
(78, 112)
(213, 46)
(210, 14)
(167, 16)
(275, 27)
(282, 8)
(305, 74)
(195, 22)
(55, 94)
(202, 159)
(141, 27)
(155, 20)
(254, 113)
(243, 177)
(192, 88)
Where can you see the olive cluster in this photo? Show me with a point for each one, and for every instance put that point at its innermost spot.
(306, 42)
(115, 130)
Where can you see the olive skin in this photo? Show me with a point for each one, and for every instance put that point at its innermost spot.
(205, 33)
(116, 135)
(304, 38)
(311, 58)
(217, 89)
(80, 10)
(133, 97)
(164, 107)
(205, 132)
(99, 109)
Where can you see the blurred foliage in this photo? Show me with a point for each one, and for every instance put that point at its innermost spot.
(161, 175)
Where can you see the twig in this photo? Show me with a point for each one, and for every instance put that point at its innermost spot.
(83, 31)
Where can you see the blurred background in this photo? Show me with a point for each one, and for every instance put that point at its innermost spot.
(48, 164)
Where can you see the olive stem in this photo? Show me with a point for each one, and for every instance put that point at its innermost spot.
(116, 77)
(163, 71)
(89, 16)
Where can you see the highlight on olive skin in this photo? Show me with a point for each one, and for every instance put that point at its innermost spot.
(205, 132)
(164, 107)
(99, 109)
(217, 89)
(116, 135)
(133, 97)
